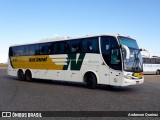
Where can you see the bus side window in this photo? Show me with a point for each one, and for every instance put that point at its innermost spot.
(90, 45)
(144, 60)
(148, 60)
(105, 46)
(115, 54)
(25, 50)
(158, 61)
(73, 46)
(62, 47)
(15, 51)
(31, 50)
(152, 61)
(34, 49)
(84, 45)
(66, 48)
(47, 50)
(58, 48)
(11, 51)
(115, 57)
(44, 48)
(51, 48)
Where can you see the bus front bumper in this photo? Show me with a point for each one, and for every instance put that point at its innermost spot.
(127, 82)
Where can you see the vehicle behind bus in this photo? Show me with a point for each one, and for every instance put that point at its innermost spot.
(151, 65)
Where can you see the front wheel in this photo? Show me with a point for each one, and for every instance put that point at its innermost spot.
(91, 80)
(158, 72)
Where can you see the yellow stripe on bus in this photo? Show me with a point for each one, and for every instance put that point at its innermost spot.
(35, 62)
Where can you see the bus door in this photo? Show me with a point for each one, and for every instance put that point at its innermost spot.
(115, 67)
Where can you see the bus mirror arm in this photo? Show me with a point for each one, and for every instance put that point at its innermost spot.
(127, 51)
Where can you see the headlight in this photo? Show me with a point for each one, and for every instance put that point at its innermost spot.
(128, 77)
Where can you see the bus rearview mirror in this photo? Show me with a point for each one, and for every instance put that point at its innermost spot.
(127, 51)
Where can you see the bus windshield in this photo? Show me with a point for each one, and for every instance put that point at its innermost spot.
(134, 63)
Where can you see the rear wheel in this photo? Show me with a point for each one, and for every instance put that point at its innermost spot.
(91, 80)
(28, 76)
(20, 75)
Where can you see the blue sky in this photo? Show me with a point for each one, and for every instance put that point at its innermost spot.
(23, 21)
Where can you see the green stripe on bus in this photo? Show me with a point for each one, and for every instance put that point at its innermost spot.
(75, 65)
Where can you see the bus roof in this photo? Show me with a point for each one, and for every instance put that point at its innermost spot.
(68, 38)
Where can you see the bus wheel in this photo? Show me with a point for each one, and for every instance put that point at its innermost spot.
(158, 72)
(20, 75)
(28, 76)
(91, 80)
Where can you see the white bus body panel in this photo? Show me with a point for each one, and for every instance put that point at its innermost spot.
(91, 63)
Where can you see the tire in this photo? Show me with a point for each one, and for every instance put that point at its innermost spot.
(158, 72)
(20, 75)
(91, 80)
(28, 76)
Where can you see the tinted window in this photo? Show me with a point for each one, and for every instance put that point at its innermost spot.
(90, 45)
(60, 47)
(73, 46)
(110, 52)
(113, 42)
(158, 61)
(16, 51)
(108, 43)
(44, 48)
(51, 48)
(105, 46)
(33, 49)
(11, 51)
(148, 60)
(144, 60)
(57, 48)
(25, 50)
(153, 61)
(115, 57)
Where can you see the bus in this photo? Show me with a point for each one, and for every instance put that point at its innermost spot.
(151, 65)
(113, 60)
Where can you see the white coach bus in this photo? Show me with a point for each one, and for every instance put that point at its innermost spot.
(113, 60)
(151, 65)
